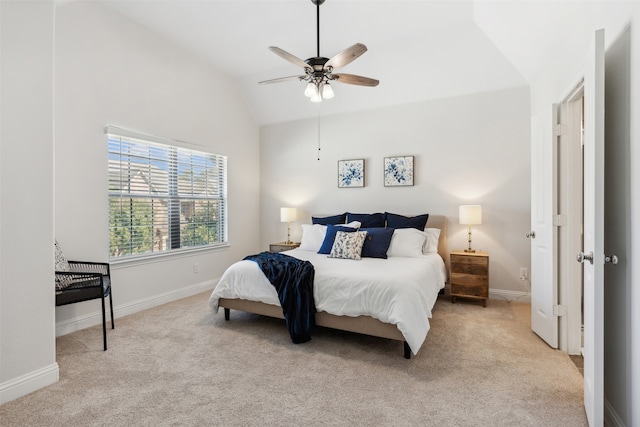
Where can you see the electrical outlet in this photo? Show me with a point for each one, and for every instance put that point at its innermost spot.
(196, 268)
(524, 273)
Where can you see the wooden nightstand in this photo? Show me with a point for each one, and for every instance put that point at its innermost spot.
(283, 246)
(470, 275)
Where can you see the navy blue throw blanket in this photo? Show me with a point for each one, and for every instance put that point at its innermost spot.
(293, 279)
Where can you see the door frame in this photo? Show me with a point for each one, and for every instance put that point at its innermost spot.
(570, 217)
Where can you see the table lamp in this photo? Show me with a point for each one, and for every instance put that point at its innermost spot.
(470, 215)
(287, 215)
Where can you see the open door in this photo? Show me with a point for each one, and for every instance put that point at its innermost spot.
(544, 283)
(593, 258)
(544, 291)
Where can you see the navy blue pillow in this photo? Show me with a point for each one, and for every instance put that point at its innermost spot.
(377, 242)
(401, 221)
(329, 220)
(367, 220)
(330, 237)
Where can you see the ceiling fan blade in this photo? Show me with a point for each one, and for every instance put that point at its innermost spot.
(283, 79)
(352, 79)
(346, 56)
(289, 57)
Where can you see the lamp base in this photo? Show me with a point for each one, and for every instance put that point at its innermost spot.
(288, 241)
(468, 249)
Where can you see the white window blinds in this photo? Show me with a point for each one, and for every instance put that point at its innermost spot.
(163, 197)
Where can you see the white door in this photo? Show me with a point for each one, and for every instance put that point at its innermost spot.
(544, 284)
(593, 262)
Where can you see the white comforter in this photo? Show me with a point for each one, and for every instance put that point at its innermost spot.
(397, 290)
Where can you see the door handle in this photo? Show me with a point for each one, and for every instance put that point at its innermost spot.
(613, 259)
(582, 257)
(531, 234)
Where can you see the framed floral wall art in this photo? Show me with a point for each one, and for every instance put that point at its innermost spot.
(351, 173)
(398, 171)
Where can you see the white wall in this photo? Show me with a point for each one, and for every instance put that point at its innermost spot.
(622, 201)
(110, 70)
(27, 336)
(468, 149)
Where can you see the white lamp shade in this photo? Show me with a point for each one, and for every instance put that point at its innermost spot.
(317, 96)
(310, 90)
(327, 91)
(288, 214)
(470, 214)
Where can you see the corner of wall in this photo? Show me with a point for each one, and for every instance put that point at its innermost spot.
(28, 383)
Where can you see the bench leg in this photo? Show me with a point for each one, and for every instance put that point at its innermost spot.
(226, 313)
(407, 351)
(113, 326)
(104, 325)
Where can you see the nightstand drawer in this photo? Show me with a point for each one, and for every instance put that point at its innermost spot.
(469, 285)
(469, 268)
(471, 261)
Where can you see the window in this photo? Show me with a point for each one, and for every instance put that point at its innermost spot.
(163, 198)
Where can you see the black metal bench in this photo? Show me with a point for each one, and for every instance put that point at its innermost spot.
(83, 282)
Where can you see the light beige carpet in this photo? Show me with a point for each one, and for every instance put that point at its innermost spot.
(181, 365)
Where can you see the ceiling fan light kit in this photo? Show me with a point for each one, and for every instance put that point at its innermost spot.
(327, 91)
(319, 70)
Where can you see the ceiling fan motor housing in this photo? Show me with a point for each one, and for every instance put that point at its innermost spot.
(317, 64)
(318, 73)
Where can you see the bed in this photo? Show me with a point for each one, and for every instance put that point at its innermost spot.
(388, 298)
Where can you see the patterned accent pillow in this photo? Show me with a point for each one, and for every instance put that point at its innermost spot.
(62, 264)
(348, 245)
(330, 236)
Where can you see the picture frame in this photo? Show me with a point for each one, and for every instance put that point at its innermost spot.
(398, 171)
(351, 173)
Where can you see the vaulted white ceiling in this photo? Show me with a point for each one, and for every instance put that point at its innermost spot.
(419, 50)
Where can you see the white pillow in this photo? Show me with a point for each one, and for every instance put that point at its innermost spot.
(312, 237)
(431, 242)
(407, 242)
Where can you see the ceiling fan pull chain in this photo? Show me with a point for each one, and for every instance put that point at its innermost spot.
(318, 132)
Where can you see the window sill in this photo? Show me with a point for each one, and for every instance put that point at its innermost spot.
(117, 263)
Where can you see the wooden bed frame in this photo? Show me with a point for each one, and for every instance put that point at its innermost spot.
(362, 324)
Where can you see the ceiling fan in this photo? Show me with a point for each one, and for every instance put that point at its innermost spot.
(319, 70)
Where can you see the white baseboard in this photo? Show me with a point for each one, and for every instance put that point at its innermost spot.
(510, 295)
(95, 318)
(611, 417)
(28, 383)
